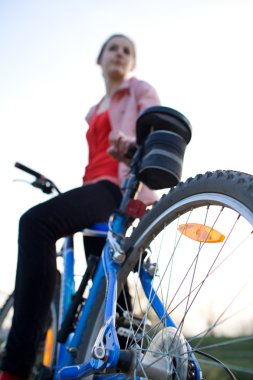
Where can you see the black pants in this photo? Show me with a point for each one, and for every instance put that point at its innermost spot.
(39, 229)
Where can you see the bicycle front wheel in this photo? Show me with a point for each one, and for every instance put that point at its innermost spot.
(197, 244)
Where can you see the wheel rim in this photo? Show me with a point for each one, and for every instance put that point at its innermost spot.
(212, 305)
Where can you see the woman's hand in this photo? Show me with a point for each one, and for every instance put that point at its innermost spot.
(119, 145)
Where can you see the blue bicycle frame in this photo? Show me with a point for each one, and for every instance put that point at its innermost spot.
(107, 268)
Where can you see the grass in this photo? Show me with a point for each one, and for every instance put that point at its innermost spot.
(238, 356)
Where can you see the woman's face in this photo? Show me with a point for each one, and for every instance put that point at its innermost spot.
(118, 58)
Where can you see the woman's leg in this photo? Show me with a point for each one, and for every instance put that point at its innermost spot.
(39, 229)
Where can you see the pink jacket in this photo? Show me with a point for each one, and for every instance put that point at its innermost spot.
(131, 98)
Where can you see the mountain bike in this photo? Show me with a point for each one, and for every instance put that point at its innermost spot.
(189, 265)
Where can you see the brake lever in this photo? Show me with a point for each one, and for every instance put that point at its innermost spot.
(44, 185)
(41, 182)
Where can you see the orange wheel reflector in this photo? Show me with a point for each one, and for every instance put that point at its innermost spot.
(201, 233)
(48, 349)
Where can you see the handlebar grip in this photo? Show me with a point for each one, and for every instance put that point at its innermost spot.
(28, 170)
(131, 151)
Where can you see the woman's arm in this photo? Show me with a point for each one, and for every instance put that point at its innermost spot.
(146, 96)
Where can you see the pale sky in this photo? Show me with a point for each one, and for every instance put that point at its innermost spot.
(197, 54)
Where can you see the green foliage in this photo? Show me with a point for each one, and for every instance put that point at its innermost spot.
(237, 356)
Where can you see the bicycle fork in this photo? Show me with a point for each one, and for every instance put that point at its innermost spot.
(106, 353)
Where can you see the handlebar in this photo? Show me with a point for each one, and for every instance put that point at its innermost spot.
(28, 170)
(46, 185)
(41, 182)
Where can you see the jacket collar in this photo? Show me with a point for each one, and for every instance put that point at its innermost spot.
(126, 84)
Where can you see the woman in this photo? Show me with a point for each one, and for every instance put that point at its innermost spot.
(111, 131)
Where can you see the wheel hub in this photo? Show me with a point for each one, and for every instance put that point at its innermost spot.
(167, 356)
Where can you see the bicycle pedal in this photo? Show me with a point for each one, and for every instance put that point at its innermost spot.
(130, 328)
(126, 333)
(127, 319)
